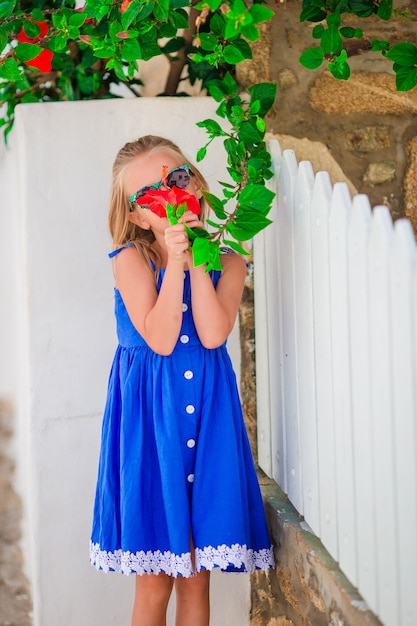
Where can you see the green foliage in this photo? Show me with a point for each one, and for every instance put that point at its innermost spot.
(332, 33)
(249, 166)
(51, 51)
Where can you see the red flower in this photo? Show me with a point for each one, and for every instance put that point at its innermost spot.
(157, 199)
(42, 62)
(123, 7)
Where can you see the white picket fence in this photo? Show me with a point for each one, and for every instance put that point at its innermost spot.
(336, 360)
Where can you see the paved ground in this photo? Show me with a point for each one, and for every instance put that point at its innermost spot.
(15, 604)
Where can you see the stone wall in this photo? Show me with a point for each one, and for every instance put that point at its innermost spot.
(307, 588)
(367, 126)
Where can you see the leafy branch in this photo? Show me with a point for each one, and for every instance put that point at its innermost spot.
(249, 167)
(333, 36)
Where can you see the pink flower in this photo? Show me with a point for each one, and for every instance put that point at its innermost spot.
(157, 199)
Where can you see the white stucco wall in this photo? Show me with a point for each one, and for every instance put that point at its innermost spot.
(57, 337)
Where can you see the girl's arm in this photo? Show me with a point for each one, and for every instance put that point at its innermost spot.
(157, 317)
(215, 310)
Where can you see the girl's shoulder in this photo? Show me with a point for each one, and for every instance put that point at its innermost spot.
(231, 261)
(117, 251)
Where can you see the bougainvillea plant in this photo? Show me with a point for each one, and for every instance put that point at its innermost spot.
(53, 50)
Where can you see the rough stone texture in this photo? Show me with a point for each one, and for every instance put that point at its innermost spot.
(257, 69)
(307, 588)
(359, 121)
(410, 184)
(368, 139)
(379, 173)
(315, 152)
(15, 603)
(364, 92)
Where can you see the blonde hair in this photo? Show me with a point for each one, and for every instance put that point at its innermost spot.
(122, 230)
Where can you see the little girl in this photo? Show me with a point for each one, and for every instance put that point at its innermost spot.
(177, 493)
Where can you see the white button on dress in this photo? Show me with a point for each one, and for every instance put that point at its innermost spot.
(184, 339)
(191, 443)
(188, 374)
(190, 478)
(184, 307)
(190, 409)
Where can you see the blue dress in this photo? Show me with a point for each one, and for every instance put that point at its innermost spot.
(175, 461)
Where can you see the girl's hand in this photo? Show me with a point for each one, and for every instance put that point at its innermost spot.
(177, 243)
(176, 238)
(191, 219)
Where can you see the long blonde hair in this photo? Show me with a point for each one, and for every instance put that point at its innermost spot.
(122, 230)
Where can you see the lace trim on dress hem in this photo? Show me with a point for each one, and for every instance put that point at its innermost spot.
(181, 565)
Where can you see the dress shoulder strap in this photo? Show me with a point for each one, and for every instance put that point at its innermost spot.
(127, 245)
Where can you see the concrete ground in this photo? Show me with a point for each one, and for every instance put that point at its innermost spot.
(15, 602)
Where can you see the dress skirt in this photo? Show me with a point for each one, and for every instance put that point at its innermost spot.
(175, 462)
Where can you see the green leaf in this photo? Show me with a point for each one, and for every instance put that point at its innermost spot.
(9, 70)
(31, 29)
(216, 204)
(6, 9)
(150, 49)
(217, 25)
(59, 21)
(235, 246)
(384, 9)
(232, 29)
(58, 43)
(200, 250)
(104, 50)
(232, 55)
(260, 13)
(214, 262)
(260, 124)
(212, 127)
(265, 93)
(250, 32)
(201, 154)
(249, 134)
(230, 85)
(339, 6)
(161, 10)
(406, 78)
(37, 15)
(77, 19)
(173, 45)
(403, 54)
(3, 39)
(378, 44)
(243, 47)
(208, 41)
(362, 8)
(179, 19)
(215, 93)
(333, 19)
(318, 31)
(311, 13)
(340, 70)
(212, 4)
(130, 50)
(331, 42)
(255, 107)
(348, 32)
(27, 51)
(136, 11)
(247, 227)
(256, 197)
